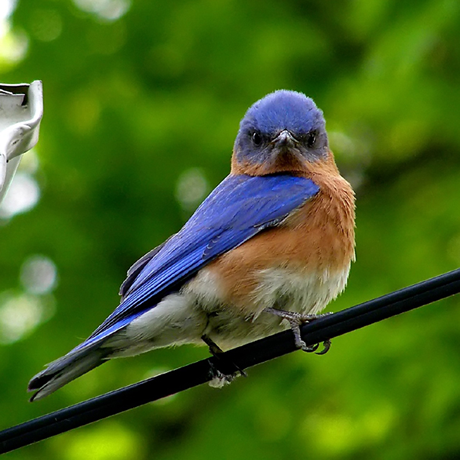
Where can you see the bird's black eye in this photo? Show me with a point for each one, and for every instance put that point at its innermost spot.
(311, 138)
(256, 138)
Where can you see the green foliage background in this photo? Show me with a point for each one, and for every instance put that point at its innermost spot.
(141, 107)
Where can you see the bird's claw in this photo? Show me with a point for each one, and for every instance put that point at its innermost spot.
(312, 348)
(295, 320)
(327, 347)
(309, 348)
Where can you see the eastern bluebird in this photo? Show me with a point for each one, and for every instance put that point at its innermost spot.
(270, 246)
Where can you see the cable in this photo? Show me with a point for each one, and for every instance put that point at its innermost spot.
(186, 377)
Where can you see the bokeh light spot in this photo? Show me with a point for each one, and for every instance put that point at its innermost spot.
(6, 8)
(191, 188)
(21, 314)
(22, 196)
(109, 441)
(47, 25)
(110, 10)
(38, 275)
(13, 46)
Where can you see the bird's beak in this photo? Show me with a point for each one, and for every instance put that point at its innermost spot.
(284, 140)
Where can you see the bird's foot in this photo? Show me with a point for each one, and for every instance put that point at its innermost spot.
(218, 378)
(295, 320)
(222, 371)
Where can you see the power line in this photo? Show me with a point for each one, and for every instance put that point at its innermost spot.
(246, 356)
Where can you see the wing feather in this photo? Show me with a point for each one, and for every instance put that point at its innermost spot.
(239, 208)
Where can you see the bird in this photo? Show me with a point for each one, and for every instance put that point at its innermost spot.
(268, 249)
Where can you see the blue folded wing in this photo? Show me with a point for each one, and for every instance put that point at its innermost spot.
(239, 208)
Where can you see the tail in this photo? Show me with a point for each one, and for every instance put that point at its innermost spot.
(65, 369)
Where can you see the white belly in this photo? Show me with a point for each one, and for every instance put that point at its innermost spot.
(300, 292)
(281, 289)
(198, 309)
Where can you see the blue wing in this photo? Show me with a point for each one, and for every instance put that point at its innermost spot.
(239, 208)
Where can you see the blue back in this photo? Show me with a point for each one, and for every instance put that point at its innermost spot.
(239, 208)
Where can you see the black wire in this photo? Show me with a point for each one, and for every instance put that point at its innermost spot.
(246, 356)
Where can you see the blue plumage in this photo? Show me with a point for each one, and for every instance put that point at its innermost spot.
(281, 110)
(240, 207)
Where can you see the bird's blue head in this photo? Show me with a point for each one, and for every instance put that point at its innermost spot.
(283, 132)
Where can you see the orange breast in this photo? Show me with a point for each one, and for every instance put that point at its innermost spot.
(317, 239)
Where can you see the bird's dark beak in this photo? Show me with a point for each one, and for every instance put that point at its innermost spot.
(284, 140)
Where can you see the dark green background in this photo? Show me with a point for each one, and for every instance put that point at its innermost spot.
(139, 107)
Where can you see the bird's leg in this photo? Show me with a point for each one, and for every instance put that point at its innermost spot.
(295, 320)
(214, 349)
(219, 378)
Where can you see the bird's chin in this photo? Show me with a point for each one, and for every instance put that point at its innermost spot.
(287, 160)
(280, 160)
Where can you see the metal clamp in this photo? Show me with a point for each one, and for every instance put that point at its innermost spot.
(21, 110)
